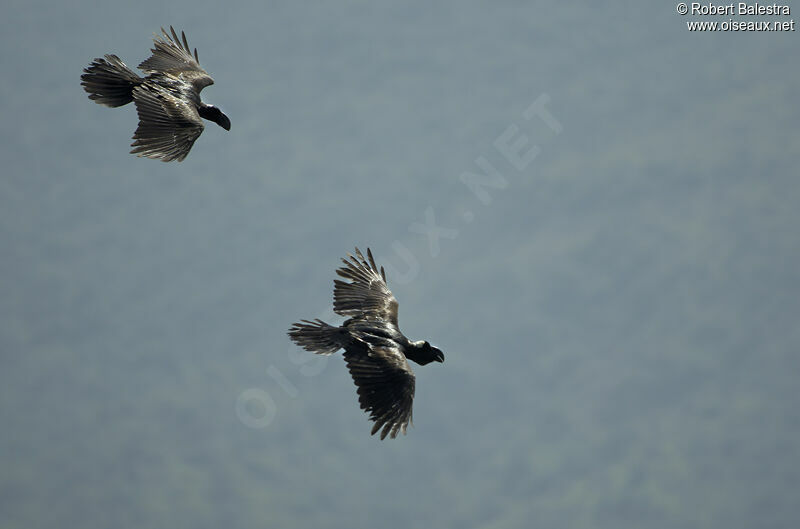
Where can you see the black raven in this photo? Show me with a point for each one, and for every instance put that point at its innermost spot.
(167, 99)
(374, 348)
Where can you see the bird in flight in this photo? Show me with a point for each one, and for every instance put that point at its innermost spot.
(375, 350)
(167, 99)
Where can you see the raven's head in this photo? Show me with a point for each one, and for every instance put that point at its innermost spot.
(425, 353)
(214, 114)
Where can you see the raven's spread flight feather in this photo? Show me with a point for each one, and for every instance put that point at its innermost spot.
(385, 386)
(366, 295)
(167, 99)
(375, 350)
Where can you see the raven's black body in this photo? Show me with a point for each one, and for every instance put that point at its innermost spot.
(374, 348)
(379, 333)
(167, 99)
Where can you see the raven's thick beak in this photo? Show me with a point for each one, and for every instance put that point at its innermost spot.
(224, 122)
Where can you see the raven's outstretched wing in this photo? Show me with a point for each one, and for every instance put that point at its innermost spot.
(366, 295)
(173, 56)
(168, 125)
(385, 387)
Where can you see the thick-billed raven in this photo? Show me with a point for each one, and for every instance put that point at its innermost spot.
(167, 99)
(374, 348)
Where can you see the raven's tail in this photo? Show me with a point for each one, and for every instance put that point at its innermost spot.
(109, 81)
(317, 336)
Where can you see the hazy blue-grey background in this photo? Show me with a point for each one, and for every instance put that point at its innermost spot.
(620, 321)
